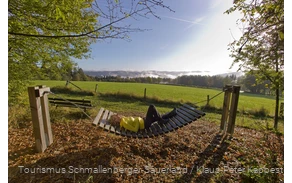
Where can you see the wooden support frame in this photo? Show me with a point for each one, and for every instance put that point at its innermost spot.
(226, 105)
(39, 106)
(230, 104)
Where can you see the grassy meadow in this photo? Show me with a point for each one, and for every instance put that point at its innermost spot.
(128, 99)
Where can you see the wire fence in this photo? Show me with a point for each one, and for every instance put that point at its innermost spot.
(208, 100)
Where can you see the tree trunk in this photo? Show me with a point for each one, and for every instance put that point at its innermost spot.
(277, 109)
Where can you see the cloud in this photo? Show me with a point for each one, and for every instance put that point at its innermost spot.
(215, 4)
(196, 21)
(163, 46)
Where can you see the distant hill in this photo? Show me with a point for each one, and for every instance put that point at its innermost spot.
(156, 74)
(237, 74)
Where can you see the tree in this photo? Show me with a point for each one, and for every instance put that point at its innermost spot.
(210, 81)
(250, 83)
(47, 34)
(260, 49)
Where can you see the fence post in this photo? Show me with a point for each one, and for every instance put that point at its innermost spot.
(208, 100)
(96, 85)
(233, 109)
(226, 104)
(40, 117)
(145, 93)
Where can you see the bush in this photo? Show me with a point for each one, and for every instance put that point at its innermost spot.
(262, 112)
(18, 115)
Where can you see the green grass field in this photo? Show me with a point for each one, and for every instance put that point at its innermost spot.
(248, 103)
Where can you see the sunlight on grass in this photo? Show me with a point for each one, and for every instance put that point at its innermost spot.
(128, 99)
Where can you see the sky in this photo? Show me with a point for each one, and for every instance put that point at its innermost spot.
(193, 38)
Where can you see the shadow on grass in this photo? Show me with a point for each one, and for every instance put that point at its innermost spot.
(258, 114)
(130, 98)
(70, 91)
(260, 96)
(204, 169)
(211, 109)
(70, 167)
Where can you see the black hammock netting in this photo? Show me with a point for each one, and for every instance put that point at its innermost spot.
(186, 114)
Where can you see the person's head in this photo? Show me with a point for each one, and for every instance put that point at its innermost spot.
(115, 120)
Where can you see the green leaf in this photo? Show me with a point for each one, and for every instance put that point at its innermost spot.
(57, 13)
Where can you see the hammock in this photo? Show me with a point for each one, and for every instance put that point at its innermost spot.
(185, 115)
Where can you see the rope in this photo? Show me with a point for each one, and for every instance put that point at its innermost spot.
(210, 99)
(216, 95)
(78, 106)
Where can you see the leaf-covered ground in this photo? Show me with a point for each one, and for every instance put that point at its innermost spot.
(195, 153)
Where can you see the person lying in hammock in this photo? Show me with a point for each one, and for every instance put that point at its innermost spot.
(134, 124)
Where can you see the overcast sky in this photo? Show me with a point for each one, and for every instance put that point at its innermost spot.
(194, 38)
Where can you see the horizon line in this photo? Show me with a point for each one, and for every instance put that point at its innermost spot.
(143, 70)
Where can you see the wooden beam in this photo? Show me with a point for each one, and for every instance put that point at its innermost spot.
(225, 112)
(104, 118)
(98, 116)
(37, 119)
(233, 109)
(42, 89)
(46, 119)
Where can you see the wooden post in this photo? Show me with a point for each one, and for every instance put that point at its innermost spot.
(233, 109)
(226, 104)
(145, 93)
(40, 117)
(67, 82)
(96, 85)
(208, 100)
(46, 117)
